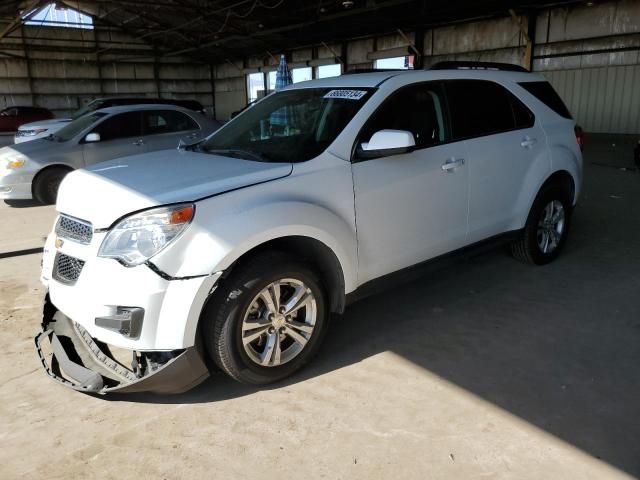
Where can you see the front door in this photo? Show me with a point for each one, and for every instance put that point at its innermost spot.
(410, 207)
(120, 136)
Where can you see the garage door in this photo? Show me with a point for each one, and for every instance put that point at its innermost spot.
(602, 100)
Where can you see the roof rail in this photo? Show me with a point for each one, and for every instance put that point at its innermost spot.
(371, 70)
(465, 65)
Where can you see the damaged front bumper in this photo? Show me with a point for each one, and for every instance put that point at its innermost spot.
(76, 360)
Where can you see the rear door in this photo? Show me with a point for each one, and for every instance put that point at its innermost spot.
(163, 129)
(503, 144)
(413, 206)
(120, 136)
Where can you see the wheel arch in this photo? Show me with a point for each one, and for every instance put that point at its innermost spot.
(562, 179)
(314, 252)
(48, 168)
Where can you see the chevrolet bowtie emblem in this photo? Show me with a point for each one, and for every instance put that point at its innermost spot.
(59, 242)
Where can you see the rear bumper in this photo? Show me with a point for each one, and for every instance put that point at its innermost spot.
(76, 360)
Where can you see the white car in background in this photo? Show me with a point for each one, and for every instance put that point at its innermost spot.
(40, 129)
(236, 250)
(35, 169)
(44, 128)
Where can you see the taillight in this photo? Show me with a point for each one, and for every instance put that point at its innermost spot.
(579, 137)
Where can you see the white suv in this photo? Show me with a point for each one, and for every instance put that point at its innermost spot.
(233, 252)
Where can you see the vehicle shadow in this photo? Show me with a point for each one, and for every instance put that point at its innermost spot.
(558, 346)
(522, 338)
(23, 203)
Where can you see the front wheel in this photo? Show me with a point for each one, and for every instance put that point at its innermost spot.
(545, 232)
(47, 183)
(266, 320)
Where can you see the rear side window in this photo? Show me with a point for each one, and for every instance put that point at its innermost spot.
(478, 108)
(544, 92)
(167, 121)
(523, 117)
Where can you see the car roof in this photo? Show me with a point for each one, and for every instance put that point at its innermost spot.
(146, 99)
(374, 79)
(144, 106)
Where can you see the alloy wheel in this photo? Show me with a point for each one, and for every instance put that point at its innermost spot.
(551, 227)
(279, 322)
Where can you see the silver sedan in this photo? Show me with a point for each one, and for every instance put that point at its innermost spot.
(35, 169)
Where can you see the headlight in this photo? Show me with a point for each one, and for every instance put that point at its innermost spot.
(137, 238)
(30, 133)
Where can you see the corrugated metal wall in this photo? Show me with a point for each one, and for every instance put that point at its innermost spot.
(602, 100)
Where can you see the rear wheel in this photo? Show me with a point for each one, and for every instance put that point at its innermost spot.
(545, 232)
(45, 189)
(267, 319)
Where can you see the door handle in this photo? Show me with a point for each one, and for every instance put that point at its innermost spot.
(451, 164)
(138, 143)
(528, 142)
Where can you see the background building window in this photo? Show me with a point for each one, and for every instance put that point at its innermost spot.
(301, 74)
(255, 86)
(395, 63)
(53, 15)
(326, 71)
(272, 80)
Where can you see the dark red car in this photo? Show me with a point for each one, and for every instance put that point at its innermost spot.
(12, 117)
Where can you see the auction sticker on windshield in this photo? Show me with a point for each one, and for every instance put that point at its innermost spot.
(346, 94)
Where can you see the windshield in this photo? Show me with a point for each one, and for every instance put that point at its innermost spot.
(289, 126)
(76, 126)
(89, 107)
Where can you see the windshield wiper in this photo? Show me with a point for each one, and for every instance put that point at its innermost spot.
(260, 157)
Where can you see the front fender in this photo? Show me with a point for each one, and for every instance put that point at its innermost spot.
(214, 242)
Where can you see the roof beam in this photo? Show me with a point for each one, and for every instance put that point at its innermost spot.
(17, 21)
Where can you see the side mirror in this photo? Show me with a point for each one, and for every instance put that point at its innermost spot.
(92, 137)
(387, 142)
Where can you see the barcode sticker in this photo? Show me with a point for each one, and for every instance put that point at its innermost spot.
(346, 94)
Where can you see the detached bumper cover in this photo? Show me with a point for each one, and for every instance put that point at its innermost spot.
(78, 361)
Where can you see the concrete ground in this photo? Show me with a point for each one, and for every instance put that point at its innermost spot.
(489, 369)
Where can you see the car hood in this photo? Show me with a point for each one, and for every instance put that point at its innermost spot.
(109, 190)
(54, 122)
(30, 149)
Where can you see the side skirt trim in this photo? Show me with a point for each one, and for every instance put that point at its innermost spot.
(419, 270)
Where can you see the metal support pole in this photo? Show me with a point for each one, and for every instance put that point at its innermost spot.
(98, 62)
(28, 65)
(213, 90)
(156, 72)
(527, 61)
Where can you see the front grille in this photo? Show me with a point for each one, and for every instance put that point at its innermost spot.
(67, 269)
(74, 229)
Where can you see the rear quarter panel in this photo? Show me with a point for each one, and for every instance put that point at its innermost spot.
(562, 152)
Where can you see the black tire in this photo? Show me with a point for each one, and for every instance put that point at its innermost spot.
(224, 314)
(45, 188)
(525, 247)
